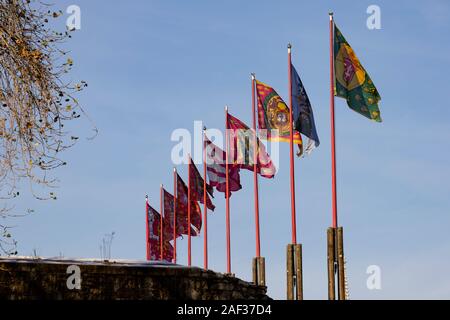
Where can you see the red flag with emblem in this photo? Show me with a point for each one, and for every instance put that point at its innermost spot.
(182, 227)
(197, 187)
(182, 206)
(216, 168)
(241, 149)
(154, 220)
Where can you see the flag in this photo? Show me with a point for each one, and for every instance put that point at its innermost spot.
(154, 224)
(197, 187)
(241, 148)
(168, 251)
(303, 114)
(274, 114)
(182, 206)
(182, 227)
(216, 168)
(352, 82)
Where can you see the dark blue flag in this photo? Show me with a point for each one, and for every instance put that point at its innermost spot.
(303, 114)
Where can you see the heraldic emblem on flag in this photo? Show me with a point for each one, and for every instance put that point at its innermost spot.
(353, 83)
(273, 114)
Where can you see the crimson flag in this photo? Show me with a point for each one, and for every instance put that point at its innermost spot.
(154, 225)
(197, 184)
(182, 227)
(242, 148)
(216, 168)
(182, 206)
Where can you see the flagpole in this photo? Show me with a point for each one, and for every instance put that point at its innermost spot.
(205, 208)
(294, 251)
(174, 215)
(259, 268)
(161, 226)
(291, 151)
(189, 211)
(333, 128)
(336, 259)
(255, 172)
(147, 234)
(227, 194)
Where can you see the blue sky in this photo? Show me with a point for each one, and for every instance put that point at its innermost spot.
(155, 66)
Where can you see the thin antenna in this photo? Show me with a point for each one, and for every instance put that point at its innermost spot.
(105, 246)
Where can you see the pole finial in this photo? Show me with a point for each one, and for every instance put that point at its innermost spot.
(253, 76)
(174, 169)
(204, 128)
(226, 108)
(331, 15)
(146, 197)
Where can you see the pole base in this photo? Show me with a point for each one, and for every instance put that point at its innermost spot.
(340, 263)
(335, 262)
(294, 272)
(259, 271)
(331, 266)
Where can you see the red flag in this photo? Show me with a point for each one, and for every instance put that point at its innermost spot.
(216, 168)
(182, 227)
(182, 206)
(168, 251)
(241, 148)
(197, 187)
(154, 220)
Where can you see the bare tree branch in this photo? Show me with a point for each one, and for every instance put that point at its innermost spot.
(35, 101)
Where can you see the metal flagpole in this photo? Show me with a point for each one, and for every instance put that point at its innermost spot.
(205, 208)
(227, 194)
(189, 210)
(337, 243)
(294, 262)
(333, 128)
(255, 172)
(258, 261)
(147, 233)
(174, 215)
(331, 232)
(291, 151)
(161, 226)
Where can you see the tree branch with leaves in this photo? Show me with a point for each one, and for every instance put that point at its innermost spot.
(35, 101)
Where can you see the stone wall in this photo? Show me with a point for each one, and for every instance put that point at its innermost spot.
(31, 278)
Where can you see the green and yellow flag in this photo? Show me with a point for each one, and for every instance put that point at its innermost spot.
(352, 81)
